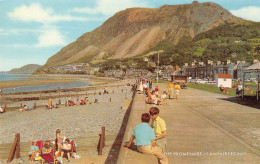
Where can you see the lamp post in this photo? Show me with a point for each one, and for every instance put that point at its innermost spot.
(158, 52)
(158, 67)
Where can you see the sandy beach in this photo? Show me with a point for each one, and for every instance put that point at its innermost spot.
(74, 121)
(55, 79)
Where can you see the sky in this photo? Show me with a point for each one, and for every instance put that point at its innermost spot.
(31, 31)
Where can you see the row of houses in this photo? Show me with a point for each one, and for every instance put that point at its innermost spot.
(128, 73)
(80, 67)
(209, 70)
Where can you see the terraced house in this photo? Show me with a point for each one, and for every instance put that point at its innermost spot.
(208, 71)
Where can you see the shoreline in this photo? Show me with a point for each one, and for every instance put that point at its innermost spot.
(55, 79)
(74, 121)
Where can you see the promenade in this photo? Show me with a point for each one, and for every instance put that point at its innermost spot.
(204, 127)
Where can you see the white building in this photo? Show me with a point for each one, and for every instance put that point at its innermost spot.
(224, 79)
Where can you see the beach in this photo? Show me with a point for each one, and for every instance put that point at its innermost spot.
(74, 121)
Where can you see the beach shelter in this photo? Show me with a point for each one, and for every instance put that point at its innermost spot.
(224, 79)
(256, 69)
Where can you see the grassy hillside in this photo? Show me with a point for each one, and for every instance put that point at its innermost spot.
(227, 42)
(27, 69)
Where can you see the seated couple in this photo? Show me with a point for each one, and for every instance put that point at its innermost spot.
(52, 106)
(145, 140)
(153, 98)
(36, 150)
(26, 107)
(80, 102)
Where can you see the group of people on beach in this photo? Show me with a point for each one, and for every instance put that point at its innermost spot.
(150, 135)
(56, 149)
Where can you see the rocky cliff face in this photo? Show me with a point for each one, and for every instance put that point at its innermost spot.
(132, 31)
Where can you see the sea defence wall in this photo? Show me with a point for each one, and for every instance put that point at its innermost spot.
(132, 155)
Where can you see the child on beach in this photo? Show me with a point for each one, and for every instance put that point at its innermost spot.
(59, 139)
(34, 151)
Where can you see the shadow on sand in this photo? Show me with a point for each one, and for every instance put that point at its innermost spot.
(114, 151)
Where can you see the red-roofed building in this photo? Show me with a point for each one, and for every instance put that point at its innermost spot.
(224, 79)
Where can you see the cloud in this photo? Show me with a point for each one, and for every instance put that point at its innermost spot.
(36, 13)
(16, 31)
(109, 7)
(50, 38)
(47, 36)
(250, 13)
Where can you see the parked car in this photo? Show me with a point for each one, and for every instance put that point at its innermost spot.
(200, 81)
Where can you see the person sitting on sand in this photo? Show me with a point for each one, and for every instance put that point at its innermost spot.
(96, 101)
(105, 91)
(82, 102)
(66, 148)
(24, 108)
(34, 151)
(78, 102)
(56, 105)
(2, 109)
(47, 148)
(70, 102)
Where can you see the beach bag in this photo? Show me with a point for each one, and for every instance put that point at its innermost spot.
(38, 158)
(75, 155)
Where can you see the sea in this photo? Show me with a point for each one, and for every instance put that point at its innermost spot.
(25, 77)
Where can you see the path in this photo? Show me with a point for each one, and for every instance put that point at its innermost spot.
(204, 128)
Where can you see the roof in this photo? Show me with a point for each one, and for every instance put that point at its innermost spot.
(255, 66)
(226, 76)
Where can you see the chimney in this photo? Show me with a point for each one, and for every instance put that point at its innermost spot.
(228, 61)
(255, 61)
(218, 62)
(186, 64)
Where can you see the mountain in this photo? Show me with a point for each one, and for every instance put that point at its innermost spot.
(135, 30)
(27, 69)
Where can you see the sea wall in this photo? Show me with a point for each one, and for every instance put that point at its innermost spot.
(132, 155)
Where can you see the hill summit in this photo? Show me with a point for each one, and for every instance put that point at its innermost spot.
(27, 69)
(132, 31)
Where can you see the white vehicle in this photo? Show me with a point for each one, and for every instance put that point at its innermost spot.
(200, 81)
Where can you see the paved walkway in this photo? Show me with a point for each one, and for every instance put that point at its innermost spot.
(204, 127)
